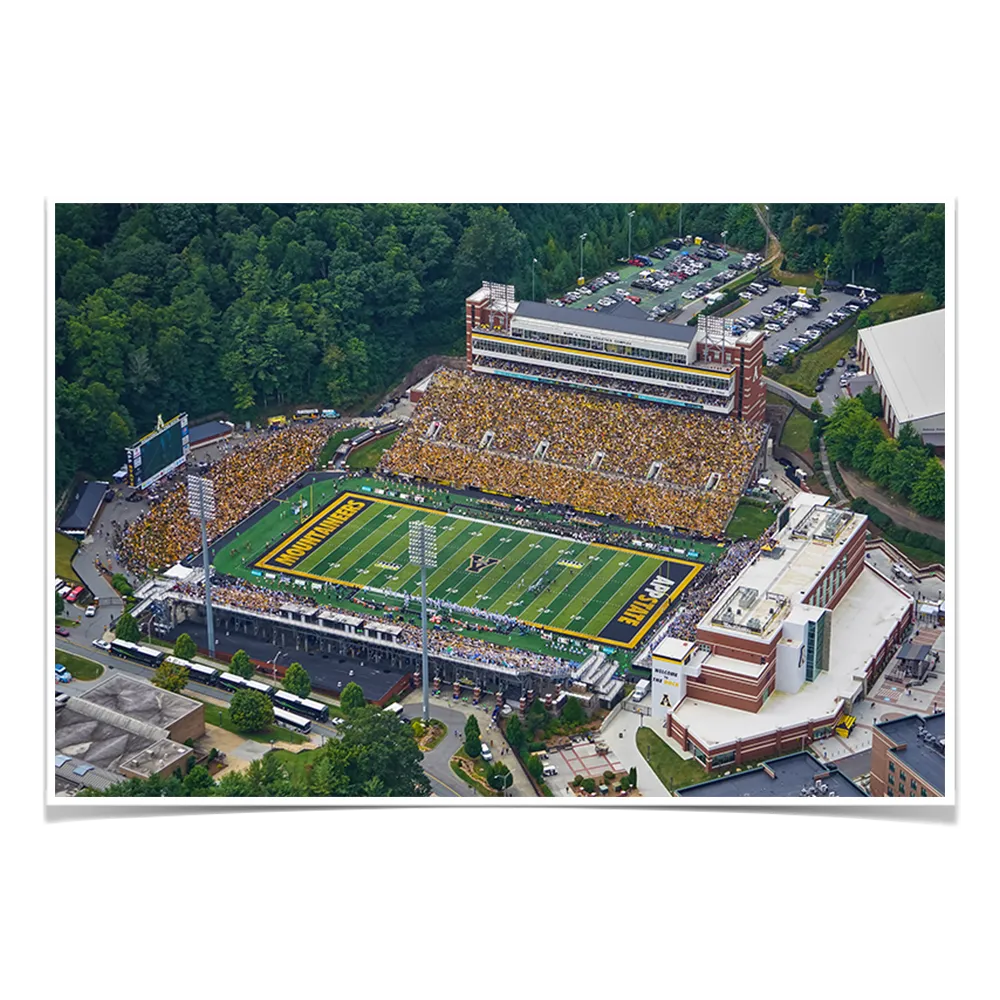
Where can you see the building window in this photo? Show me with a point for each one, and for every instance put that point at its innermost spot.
(902, 776)
(892, 767)
(902, 788)
(913, 784)
(888, 789)
(923, 791)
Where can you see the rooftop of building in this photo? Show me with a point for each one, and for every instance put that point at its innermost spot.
(607, 321)
(924, 751)
(103, 742)
(154, 758)
(670, 648)
(799, 775)
(761, 597)
(908, 357)
(72, 774)
(208, 430)
(140, 700)
(81, 509)
(863, 619)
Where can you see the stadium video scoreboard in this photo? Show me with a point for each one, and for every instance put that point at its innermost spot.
(158, 453)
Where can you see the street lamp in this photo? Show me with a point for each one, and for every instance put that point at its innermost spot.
(423, 553)
(680, 221)
(630, 214)
(534, 261)
(767, 226)
(725, 233)
(583, 236)
(274, 663)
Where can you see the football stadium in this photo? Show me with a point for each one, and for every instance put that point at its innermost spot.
(578, 517)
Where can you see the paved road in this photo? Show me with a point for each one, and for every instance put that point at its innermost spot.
(903, 516)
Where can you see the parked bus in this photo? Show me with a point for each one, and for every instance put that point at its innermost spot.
(315, 709)
(289, 720)
(306, 415)
(287, 700)
(231, 682)
(196, 672)
(265, 689)
(141, 654)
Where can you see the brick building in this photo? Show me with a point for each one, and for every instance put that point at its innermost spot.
(799, 636)
(619, 351)
(908, 757)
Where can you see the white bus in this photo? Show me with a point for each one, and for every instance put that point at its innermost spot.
(289, 720)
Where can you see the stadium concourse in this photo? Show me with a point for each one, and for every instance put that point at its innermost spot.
(644, 462)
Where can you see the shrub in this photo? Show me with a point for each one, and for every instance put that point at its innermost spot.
(578, 781)
(536, 745)
(589, 785)
(609, 776)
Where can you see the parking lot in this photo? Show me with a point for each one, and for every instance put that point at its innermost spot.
(650, 299)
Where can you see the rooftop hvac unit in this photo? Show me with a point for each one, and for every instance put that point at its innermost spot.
(747, 597)
(755, 624)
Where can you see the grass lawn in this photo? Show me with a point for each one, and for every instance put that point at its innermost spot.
(672, 770)
(900, 306)
(297, 764)
(333, 442)
(68, 622)
(81, 669)
(367, 457)
(217, 716)
(797, 432)
(773, 399)
(811, 363)
(918, 556)
(65, 550)
(480, 768)
(749, 520)
(794, 279)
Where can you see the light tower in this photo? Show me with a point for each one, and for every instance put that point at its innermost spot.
(630, 217)
(423, 553)
(583, 236)
(201, 504)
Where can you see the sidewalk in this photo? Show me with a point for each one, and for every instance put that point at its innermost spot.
(627, 723)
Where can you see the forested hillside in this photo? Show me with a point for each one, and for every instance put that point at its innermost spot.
(208, 308)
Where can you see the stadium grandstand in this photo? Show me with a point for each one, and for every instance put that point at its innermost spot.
(610, 455)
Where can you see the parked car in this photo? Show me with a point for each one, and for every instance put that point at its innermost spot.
(65, 631)
(101, 644)
(485, 749)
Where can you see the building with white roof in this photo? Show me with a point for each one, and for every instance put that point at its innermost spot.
(801, 634)
(906, 360)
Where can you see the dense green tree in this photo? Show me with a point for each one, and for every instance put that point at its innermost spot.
(573, 712)
(515, 733)
(908, 437)
(60, 605)
(241, 665)
(251, 711)
(171, 676)
(473, 737)
(198, 781)
(184, 647)
(352, 697)
(534, 766)
(297, 680)
(906, 470)
(633, 778)
(871, 401)
(120, 582)
(498, 776)
(883, 461)
(927, 494)
(864, 450)
(127, 629)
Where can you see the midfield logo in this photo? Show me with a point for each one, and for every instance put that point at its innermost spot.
(478, 563)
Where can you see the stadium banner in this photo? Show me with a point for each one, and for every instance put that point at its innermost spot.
(292, 550)
(648, 603)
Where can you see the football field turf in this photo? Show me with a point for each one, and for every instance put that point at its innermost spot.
(589, 590)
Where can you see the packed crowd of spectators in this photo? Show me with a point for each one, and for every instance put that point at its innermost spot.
(708, 585)
(693, 449)
(251, 472)
(235, 593)
(582, 378)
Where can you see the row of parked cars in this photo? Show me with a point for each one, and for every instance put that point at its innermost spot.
(818, 329)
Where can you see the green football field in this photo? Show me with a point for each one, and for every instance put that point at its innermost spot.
(588, 590)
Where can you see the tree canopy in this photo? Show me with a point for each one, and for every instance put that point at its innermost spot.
(232, 308)
(171, 676)
(352, 697)
(127, 629)
(184, 647)
(241, 665)
(297, 680)
(251, 711)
